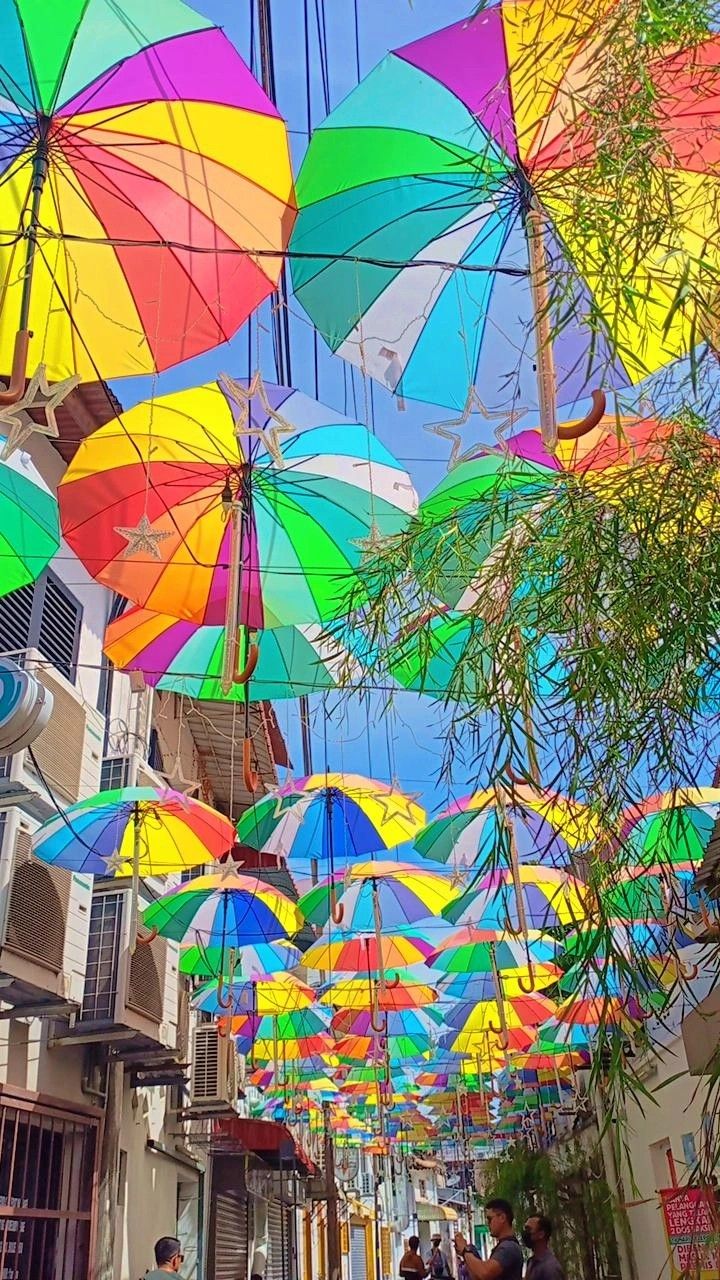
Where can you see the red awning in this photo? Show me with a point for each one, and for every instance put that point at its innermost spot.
(269, 1140)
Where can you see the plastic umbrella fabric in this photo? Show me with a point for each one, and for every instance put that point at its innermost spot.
(30, 533)
(155, 173)
(332, 818)
(479, 952)
(387, 896)
(670, 829)
(260, 995)
(484, 1015)
(259, 958)
(428, 165)
(359, 993)
(339, 952)
(224, 910)
(180, 657)
(551, 899)
(219, 473)
(152, 832)
(473, 832)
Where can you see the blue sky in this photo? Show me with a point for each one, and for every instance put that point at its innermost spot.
(402, 742)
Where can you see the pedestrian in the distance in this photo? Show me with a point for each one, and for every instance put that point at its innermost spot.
(438, 1261)
(506, 1259)
(168, 1258)
(412, 1266)
(543, 1265)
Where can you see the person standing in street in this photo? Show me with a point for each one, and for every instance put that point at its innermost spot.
(412, 1266)
(543, 1265)
(506, 1259)
(438, 1262)
(168, 1258)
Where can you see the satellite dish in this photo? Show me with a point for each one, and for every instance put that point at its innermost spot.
(25, 707)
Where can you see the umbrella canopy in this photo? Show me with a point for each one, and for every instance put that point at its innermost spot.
(30, 533)
(338, 952)
(485, 1046)
(224, 911)
(332, 818)
(670, 829)
(160, 831)
(427, 166)
(389, 895)
(156, 174)
(247, 961)
(479, 952)
(484, 1015)
(288, 1037)
(361, 993)
(262, 994)
(180, 657)
(551, 899)
(473, 832)
(155, 503)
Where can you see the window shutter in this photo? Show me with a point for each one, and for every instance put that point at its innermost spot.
(59, 626)
(15, 618)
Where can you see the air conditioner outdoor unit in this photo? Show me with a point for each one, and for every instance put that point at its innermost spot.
(138, 992)
(68, 751)
(45, 922)
(214, 1069)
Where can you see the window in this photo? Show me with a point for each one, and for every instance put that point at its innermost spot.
(155, 758)
(114, 772)
(44, 616)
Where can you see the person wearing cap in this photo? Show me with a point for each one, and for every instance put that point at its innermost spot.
(438, 1261)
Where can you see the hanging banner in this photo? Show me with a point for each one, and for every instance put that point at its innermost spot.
(691, 1226)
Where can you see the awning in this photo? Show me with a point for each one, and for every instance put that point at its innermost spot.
(271, 1141)
(429, 1212)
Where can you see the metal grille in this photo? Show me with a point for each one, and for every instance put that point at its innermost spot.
(44, 616)
(15, 618)
(103, 958)
(47, 1170)
(229, 1213)
(39, 936)
(358, 1253)
(114, 773)
(206, 1083)
(144, 989)
(281, 1246)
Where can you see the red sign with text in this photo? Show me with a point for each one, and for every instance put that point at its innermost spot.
(691, 1226)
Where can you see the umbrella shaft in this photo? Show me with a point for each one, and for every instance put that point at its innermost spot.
(543, 327)
(40, 171)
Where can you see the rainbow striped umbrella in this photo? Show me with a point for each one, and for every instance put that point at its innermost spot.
(362, 993)
(551, 899)
(484, 1015)
(387, 895)
(338, 952)
(670, 829)
(261, 994)
(547, 828)
(473, 951)
(331, 818)
(147, 193)
(224, 910)
(253, 958)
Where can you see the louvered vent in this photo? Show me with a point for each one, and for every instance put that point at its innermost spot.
(60, 747)
(38, 908)
(59, 622)
(15, 614)
(207, 1061)
(144, 989)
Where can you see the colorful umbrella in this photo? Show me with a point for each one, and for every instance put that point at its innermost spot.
(147, 192)
(670, 829)
(198, 961)
(359, 993)
(473, 951)
(179, 657)
(330, 818)
(258, 995)
(338, 952)
(548, 899)
(232, 493)
(134, 830)
(380, 895)
(406, 1032)
(488, 1048)
(485, 1015)
(289, 1037)
(224, 911)
(435, 203)
(475, 831)
(30, 536)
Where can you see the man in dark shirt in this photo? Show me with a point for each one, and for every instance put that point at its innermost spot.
(506, 1259)
(536, 1235)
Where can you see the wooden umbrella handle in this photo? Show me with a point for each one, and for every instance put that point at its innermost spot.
(242, 677)
(251, 777)
(592, 419)
(19, 369)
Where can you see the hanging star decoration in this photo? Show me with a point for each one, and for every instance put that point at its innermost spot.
(142, 538)
(39, 394)
(275, 425)
(505, 419)
(372, 544)
(399, 804)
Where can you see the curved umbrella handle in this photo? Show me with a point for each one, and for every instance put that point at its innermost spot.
(251, 777)
(528, 987)
(503, 1036)
(146, 939)
(392, 984)
(687, 971)
(509, 928)
(591, 420)
(16, 385)
(221, 1029)
(381, 1029)
(225, 1001)
(242, 677)
(337, 910)
(709, 924)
